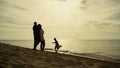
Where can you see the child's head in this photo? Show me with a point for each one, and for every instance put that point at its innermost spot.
(54, 38)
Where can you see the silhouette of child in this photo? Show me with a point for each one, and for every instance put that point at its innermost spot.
(57, 46)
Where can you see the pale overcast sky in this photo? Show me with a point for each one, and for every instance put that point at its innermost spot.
(67, 19)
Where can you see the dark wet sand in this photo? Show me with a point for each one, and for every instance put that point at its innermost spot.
(19, 57)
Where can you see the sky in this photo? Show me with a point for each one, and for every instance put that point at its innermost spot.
(64, 19)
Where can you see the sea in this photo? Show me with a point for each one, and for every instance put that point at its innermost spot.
(108, 50)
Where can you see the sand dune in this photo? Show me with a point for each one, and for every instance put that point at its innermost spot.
(19, 57)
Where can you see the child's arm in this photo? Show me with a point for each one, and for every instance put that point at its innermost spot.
(53, 42)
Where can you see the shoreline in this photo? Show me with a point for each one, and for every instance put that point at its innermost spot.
(14, 56)
(96, 54)
(88, 55)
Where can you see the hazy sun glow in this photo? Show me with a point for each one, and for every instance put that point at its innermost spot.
(60, 8)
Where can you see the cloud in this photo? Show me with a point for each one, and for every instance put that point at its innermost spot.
(18, 7)
(83, 4)
(102, 26)
(9, 15)
(6, 4)
(10, 22)
(117, 2)
(115, 17)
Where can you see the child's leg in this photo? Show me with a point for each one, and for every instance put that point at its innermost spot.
(55, 49)
(58, 48)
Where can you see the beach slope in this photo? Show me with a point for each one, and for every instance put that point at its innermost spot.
(19, 57)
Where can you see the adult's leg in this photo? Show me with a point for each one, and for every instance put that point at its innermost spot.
(34, 48)
(36, 42)
(42, 45)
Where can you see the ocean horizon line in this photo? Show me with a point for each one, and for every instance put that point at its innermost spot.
(59, 39)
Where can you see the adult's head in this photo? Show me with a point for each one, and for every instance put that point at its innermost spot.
(35, 23)
(39, 26)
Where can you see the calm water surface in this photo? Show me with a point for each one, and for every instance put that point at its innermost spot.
(90, 48)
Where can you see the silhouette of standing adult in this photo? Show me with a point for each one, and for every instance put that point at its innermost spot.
(42, 40)
(36, 34)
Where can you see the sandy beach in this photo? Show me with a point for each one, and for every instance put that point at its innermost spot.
(18, 57)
